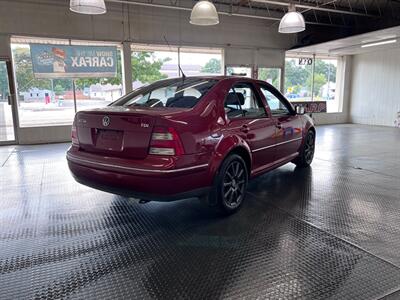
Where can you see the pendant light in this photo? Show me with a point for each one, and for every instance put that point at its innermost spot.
(204, 13)
(88, 7)
(292, 21)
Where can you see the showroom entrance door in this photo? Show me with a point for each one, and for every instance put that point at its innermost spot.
(7, 101)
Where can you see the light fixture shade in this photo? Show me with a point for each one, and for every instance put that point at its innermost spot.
(204, 13)
(292, 22)
(88, 7)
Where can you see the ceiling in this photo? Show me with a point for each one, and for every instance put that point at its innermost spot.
(326, 19)
(341, 13)
(352, 45)
(331, 13)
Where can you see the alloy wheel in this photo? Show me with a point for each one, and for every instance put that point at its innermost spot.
(234, 184)
(309, 148)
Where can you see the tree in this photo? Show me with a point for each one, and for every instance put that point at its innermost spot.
(58, 89)
(24, 71)
(296, 75)
(328, 69)
(319, 81)
(146, 67)
(212, 66)
(271, 75)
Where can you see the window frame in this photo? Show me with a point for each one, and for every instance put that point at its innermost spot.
(256, 91)
(269, 87)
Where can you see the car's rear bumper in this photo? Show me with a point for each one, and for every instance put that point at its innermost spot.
(143, 196)
(139, 182)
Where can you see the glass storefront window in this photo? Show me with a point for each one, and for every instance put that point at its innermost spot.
(201, 62)
(152, 63)
(40, 102)
(325, 83)
(313, 79)
(270, 75)
(99, 92)
(50, 102)
(298, 80)
(155, 62)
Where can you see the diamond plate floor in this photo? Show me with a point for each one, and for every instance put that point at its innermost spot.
(328, 232)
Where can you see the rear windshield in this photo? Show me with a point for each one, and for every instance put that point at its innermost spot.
(177, 92)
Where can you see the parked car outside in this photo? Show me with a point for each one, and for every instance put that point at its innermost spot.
(292, 96)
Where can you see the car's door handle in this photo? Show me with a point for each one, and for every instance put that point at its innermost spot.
(245, 128)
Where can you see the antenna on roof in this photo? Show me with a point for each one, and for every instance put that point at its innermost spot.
(179, 62)
(183, 74)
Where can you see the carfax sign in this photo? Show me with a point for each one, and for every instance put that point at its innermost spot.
(58, 61)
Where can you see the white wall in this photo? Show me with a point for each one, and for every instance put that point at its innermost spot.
(123, 23)
(43, 135)
(375, 93)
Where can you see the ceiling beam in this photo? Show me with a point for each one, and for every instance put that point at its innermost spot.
(314, 7)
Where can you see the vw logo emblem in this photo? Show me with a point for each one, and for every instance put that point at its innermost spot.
(106, 121)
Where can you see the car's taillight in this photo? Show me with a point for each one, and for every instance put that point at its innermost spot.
(74, 135)
(165, 141)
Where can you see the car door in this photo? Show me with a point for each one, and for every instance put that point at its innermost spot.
(247, 117)
(288, 124)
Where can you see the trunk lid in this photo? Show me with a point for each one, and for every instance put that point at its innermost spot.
(118, 131)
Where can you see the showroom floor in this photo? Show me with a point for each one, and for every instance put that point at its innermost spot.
(331, 231)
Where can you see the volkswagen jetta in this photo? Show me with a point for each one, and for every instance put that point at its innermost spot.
(190, 137)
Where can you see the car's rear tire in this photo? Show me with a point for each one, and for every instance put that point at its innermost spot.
(230, 184)
(307, 150)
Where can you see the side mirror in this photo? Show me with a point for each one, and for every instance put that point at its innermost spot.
(300, 110)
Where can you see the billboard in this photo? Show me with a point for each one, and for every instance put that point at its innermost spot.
(59, 61)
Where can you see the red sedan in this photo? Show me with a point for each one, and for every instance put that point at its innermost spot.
(190, 137)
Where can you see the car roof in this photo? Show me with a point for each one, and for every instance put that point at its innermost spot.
(222, 77)
(218, 78)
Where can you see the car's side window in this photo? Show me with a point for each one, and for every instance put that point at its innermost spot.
(232, 105)
(276, 106)
(243, 101)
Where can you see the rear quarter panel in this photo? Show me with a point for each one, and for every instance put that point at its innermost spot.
(196, 126)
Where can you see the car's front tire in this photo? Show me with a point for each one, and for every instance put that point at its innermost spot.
(307, 150)
(230, 185)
